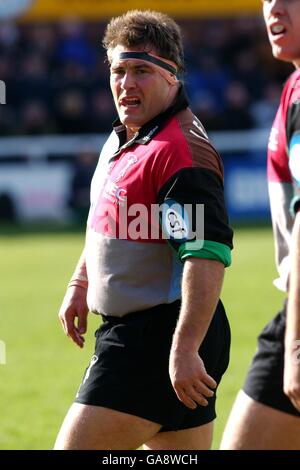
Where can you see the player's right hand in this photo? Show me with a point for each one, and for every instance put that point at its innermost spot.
(74, 306)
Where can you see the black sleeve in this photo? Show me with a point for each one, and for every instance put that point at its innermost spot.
(201, 186)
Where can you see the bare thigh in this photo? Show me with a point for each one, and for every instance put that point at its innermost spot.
(254, 426)
(198, 438)
(89, 427)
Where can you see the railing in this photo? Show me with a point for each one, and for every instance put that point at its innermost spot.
(37, 147)
(38, 185)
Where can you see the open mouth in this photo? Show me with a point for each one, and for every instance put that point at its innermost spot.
(130, 102)
(277, 29)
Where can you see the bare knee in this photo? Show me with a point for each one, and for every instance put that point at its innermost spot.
(237, 429)
(255, 426)
(97, 428)
(69, 435)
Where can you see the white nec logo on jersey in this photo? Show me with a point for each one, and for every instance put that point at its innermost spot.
(273, 139)
(114, 193)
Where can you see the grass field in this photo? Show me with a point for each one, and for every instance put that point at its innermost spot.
(44, 368)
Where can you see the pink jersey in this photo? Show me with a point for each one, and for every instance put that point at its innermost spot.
(169, 163)
(284, 173)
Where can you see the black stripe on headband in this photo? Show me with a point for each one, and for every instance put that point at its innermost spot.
(149, 58)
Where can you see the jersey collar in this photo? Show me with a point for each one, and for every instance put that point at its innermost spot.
(151, 128)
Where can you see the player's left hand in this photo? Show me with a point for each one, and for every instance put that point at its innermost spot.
(189, 378)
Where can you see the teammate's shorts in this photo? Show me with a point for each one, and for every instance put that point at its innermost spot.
(129, 370)
(264, 382)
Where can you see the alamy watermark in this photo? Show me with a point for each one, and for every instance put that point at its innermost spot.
(2, 353)
(2, 92)
(181, 223)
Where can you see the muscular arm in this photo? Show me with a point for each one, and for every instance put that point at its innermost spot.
(201, 287)
(74, 304)
(292, 360)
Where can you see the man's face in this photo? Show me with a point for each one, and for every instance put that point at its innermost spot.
(140, 92)
(282, 18)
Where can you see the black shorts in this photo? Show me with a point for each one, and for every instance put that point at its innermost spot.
(129, 370)
(264, 382)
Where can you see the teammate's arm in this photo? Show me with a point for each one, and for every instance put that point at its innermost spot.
(74, 304)
(292, 336)
(201, 287)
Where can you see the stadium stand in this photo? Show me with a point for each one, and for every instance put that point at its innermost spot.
(56, 76)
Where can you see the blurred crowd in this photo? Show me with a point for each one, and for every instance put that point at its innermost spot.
(57, 78)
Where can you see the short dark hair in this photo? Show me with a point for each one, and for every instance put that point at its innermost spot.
(145, 28)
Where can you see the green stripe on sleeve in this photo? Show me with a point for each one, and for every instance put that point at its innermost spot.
(210, 250)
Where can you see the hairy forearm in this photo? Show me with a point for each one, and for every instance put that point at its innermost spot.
(201, 286)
